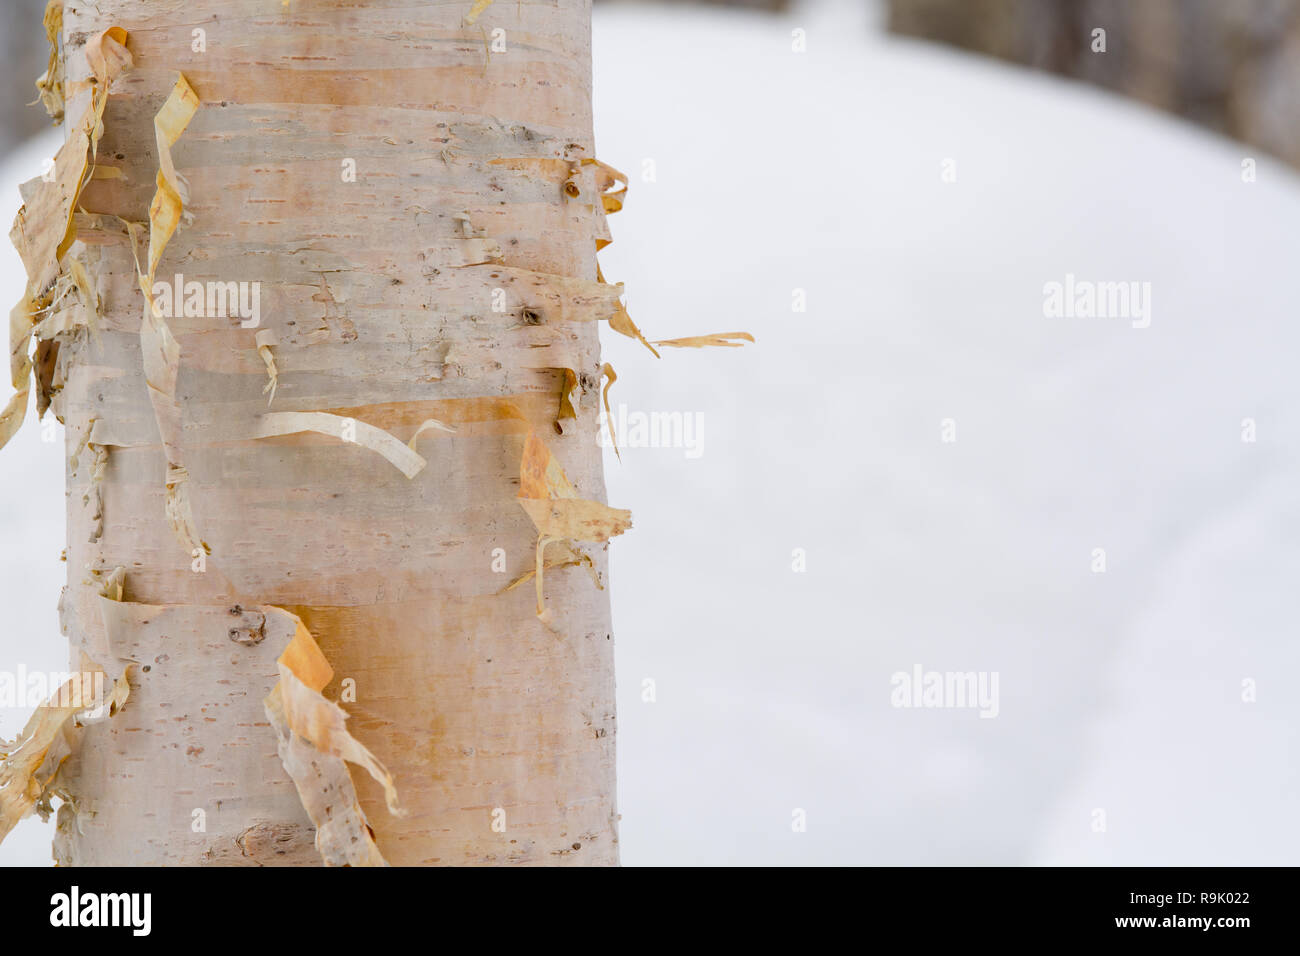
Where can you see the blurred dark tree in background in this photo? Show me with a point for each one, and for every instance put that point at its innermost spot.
(25, 51)
(1231, 65)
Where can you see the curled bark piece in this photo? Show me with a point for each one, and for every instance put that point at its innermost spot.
(89, 299)
(343, 837)
(281, 424)
(100, 463)
(50, 84)
(265, 339)
(43, 230)
(22, 324)
(30, 762)
(564, 556)
(11, 418)
(168, 202)
(304, 673)
(95, 493)
(568, 408)
(314, 742)
(622, 323)
(611, 377)
(611, 201)
(180, 510)
(276, 424)
(121, 691)
(426, 425)
(45, 364)
(722, 339)
(173, 191)
(74, 459)
(579, 519)
(158, 346)
(107, 57)
(607, 177)
(114, 586)
(550, 500)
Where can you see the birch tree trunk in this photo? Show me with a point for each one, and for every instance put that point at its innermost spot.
(409, 193)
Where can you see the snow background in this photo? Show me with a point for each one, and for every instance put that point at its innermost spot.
(821, 171)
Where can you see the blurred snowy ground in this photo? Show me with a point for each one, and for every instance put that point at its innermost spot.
(820, 171)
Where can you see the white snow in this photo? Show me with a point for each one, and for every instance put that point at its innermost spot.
(820, 171)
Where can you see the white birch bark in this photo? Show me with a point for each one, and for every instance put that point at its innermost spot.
(380, 295)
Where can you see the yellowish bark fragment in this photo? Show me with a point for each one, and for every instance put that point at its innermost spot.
(578, 519)
(11, 418)
(31, 761)
(158, 346)
(107, 57)
(568, 408)
(21, 320)
(89, 300)
(621, 322)
(607, 178)
(179, 509)
(720, 339)
(611, 377)
(44, 229)
(266, 339)
(314, 744)
(50, 84)
(476, 11)
(550, 500)
(121, 690)
(343, 836)
(563, 556)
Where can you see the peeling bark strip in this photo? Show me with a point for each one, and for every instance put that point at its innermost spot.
(313, 745)
(44, 231)
(49, 85)
(720, 339)
(31, 764)
(419, 300)
(552, 503)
